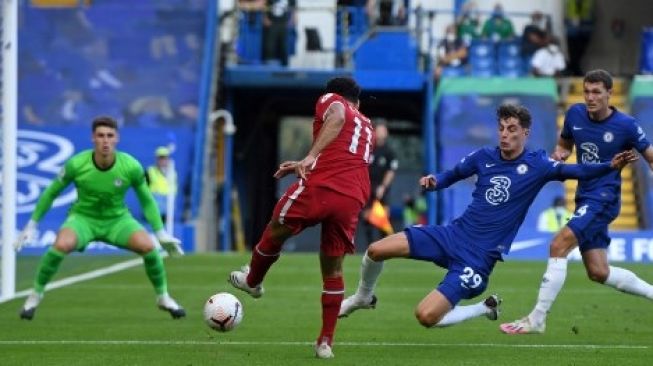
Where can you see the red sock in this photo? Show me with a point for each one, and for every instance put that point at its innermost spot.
(332, 295)
(264, 254)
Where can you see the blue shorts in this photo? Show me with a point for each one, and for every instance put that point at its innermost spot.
(468, 267)
(589, 223)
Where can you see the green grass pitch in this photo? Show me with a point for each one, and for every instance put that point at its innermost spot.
(113, 320)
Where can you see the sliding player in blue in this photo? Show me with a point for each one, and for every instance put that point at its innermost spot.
(508, 179)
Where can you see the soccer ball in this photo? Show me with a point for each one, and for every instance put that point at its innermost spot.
(223, 312)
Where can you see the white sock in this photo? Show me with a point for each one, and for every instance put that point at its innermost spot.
(628, 282)
(370, 271)
(552, 281)
(461, 313)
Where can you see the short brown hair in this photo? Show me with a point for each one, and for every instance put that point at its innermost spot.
(105, 121)
(517, 111)
(599, 76)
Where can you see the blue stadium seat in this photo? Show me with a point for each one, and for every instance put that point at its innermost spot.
(453, 71)
(481, 48)
(511, 67)
(482, 67)
(508, 49)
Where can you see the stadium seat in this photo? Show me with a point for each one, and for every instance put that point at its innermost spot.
(508, 49)
(454, 71)
(510, 66)
(481, 49)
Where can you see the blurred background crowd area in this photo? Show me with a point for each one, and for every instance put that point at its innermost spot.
(136, 60)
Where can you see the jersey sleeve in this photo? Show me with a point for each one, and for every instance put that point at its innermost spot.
(63, 179)
(464, 169)
(582, 171)
(325, 101)
(565, 132)
(638, 137)
(149, 205)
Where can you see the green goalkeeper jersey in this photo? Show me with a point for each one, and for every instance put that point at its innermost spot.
(101, 192)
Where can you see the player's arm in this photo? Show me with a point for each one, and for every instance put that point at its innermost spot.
(563, 149)
(44, 204)
(334, 119)
(589, 171)
(648, 156)
(148, 204)
(153, 216)
(463, 170)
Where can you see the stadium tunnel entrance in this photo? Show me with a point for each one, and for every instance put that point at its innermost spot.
(275, 124)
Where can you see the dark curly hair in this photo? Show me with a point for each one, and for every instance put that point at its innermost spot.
(344, 86)
(517, 111)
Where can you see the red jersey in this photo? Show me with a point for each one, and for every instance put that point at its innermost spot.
(343, 165)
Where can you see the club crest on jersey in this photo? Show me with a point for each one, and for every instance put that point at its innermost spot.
(117, 182)
(608, 136)
(522, 168)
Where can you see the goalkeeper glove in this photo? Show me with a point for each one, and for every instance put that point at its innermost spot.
(27, 235)
(171, 244)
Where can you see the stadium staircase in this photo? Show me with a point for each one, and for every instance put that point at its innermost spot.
(630, 217)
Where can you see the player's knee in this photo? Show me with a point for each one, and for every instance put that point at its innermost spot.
(562, 244)
(375, 252)
(598, 274)
(426, 319)
(64, 246)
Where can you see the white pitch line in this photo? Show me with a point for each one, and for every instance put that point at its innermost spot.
(82, 277)
(344, 344)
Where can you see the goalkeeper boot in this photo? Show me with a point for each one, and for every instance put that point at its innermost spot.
(238, 279)
(492, 303)
(29, 308)
(355, 302)
(523, 326)
(167, 303)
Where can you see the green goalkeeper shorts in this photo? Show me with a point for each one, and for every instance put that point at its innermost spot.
(112, 231)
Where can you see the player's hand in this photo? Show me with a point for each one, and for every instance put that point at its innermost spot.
(27, 235)
(560, 155)
(428, 182)
(304, 165)
(168, 242)
(285, 168)
(622, 159)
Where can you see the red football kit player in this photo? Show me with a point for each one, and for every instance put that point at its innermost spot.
(332, 188)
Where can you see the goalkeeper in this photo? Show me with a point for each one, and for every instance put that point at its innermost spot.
(102, 177)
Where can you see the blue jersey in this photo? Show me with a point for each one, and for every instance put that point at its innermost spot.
(504, 191)
(598, 142)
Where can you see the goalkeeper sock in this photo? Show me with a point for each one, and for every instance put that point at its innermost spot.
(628, 282)
(333, 292)
(370, 272)
(552, 281)
(47, 268)
(461, 313)
(155, 271)
(265, 253)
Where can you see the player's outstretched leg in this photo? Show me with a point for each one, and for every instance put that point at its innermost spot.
(354, 302)
(488, 308)
(238, 279)
(166, 303)
(29, 308)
